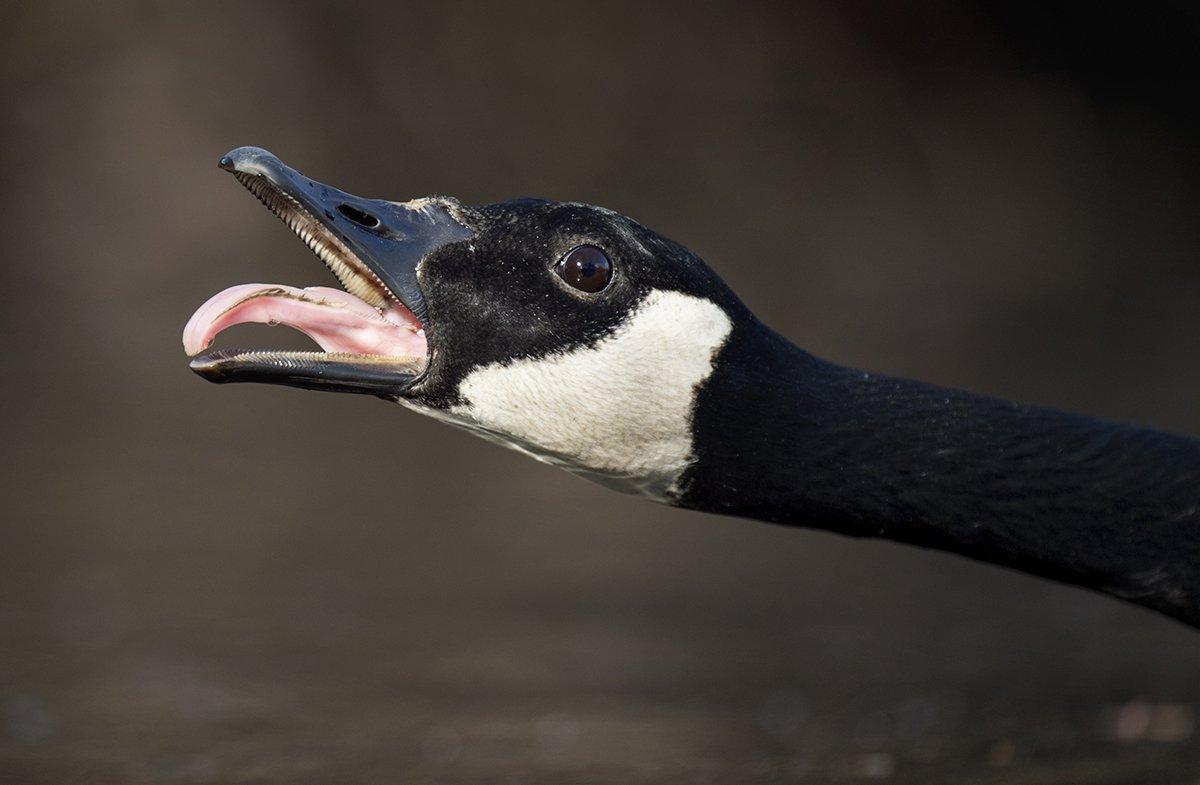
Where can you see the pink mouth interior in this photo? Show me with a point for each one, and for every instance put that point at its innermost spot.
(336, 320)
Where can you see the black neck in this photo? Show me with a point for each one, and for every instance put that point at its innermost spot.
(782, 436)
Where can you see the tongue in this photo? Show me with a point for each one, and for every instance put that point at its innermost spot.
(336, 320)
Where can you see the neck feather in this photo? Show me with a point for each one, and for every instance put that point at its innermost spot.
(784, 437)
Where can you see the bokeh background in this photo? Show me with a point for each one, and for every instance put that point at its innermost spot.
(262, 585)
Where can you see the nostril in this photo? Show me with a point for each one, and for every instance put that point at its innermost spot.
(358, 216)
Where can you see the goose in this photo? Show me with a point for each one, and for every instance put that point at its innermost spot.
(579, 337)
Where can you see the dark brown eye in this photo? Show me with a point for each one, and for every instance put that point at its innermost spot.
(586, 268)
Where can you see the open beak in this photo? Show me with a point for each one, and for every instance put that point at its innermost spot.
(374, 334)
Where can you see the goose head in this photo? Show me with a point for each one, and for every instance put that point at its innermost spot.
(562, 330)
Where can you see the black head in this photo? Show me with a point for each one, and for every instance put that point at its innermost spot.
(565, 330)
(540, 278)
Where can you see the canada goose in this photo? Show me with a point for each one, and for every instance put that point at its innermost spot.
(577, 336)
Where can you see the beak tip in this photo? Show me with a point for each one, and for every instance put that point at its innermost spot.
(209, 368)
(250, 159)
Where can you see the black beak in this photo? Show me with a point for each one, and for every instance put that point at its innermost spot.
(390, 238)
(373, 246)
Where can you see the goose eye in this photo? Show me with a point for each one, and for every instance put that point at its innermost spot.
(585, 268)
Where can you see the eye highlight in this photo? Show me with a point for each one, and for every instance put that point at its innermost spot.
(586, 268)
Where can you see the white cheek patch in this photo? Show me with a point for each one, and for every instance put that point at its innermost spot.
(618, 412)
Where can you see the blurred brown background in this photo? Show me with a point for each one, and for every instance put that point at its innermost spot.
(261, 585)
